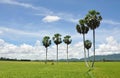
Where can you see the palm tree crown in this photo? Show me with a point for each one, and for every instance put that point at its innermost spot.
(67, 39)
(87, 44)
(46, 41)
(57, 39)
(81, 27)
(93, 19)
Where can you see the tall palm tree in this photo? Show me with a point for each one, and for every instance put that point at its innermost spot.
(83, 29)
(67, 41)
(88, 45)
(92, 20)
(57, 40)
(46, 42)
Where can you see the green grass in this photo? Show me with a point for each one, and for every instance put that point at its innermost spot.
(61, 70)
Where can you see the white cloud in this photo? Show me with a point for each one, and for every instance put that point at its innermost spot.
(19, 36)
(26, 51)
(50, 18)
(110, 47)
(42, 10)
(23, 51)
(111, 22)
(73, 20)
(61, 16)
(14, 2)
(17, 32)
(69, 17)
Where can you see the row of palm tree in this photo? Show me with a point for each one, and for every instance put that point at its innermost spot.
(57, 40)
(91, 21)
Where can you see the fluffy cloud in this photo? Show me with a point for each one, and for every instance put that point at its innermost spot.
(50, 18)
(26, 51)
(110, 47)
(37, 51)
(23, 51)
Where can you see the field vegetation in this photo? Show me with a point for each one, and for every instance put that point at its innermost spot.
(14, 69)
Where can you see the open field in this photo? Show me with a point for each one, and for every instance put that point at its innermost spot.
(10, 69)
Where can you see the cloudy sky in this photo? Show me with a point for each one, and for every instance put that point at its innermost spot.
(23, 24)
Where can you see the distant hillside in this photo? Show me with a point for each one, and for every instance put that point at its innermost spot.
(112, 57)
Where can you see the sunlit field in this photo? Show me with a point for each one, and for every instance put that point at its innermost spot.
(13, 69)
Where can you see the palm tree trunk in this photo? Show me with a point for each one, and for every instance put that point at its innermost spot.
(85, 51)
(67, 52)
(88, 56)
(57, 53)
(46, 55)
(93, 47)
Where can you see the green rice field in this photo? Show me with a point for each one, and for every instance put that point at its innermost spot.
(14, 69)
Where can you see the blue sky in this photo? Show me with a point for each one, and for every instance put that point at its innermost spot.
(26, 21)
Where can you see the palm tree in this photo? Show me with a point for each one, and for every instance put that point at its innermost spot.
(92, 20)
(67, 41)
(46, 42)
(88, 45)
(83, 29)
(57, 40)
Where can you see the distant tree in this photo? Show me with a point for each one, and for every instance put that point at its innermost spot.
(83, 29)
(88, 45)
(92, 20)
(46, 42)
(67, 40)
(57, 40)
